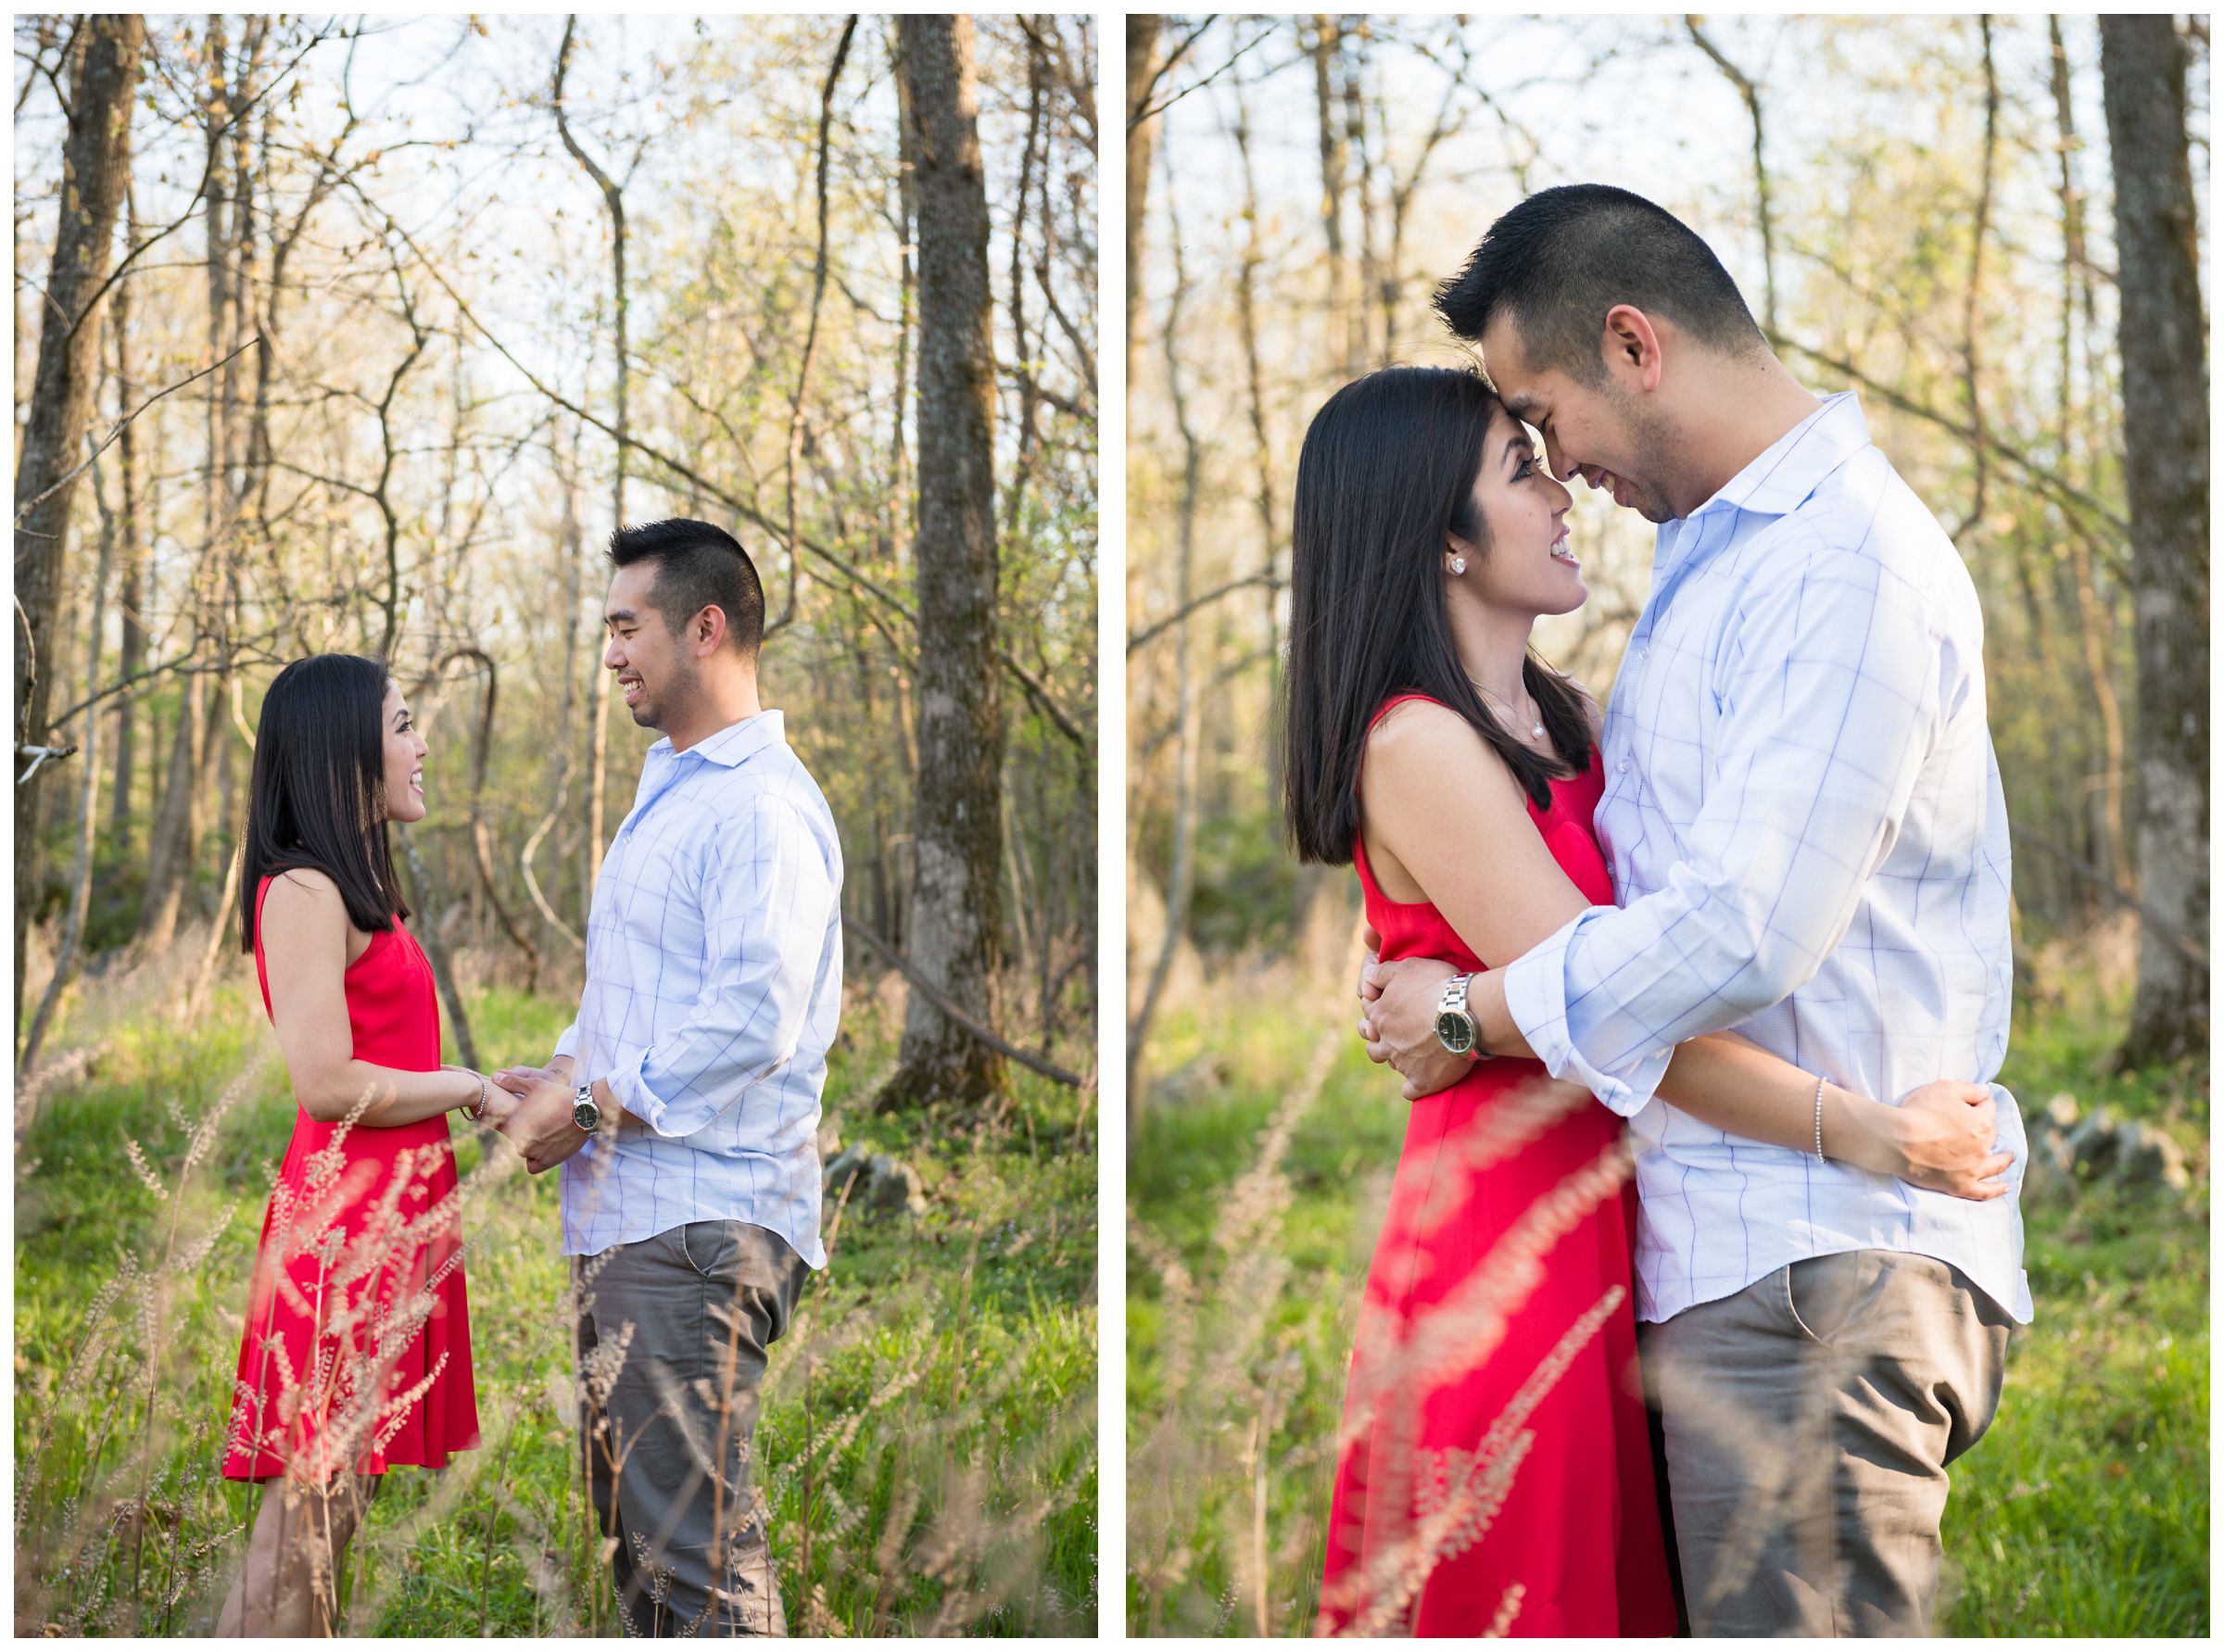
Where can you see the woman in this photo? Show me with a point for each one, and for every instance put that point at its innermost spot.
(357, 1355)
(1495, 1472)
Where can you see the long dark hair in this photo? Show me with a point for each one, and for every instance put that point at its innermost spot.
(1387, 470)
(317, 794)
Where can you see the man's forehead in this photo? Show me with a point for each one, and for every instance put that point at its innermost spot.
(1509, 374)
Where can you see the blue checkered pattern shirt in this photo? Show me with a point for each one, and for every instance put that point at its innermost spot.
(713, 988)
(1804, 823)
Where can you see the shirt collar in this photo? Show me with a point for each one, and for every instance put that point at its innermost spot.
(1797, 461)
(733, 745)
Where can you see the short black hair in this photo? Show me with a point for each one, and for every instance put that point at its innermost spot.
(1563, 258)
(700, 565)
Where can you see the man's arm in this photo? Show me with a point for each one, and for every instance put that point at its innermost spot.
(1828, 707)
(768, 898)
(767, 902)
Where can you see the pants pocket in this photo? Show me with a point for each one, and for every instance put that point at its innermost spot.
(1823, 1293)
(708, 1248)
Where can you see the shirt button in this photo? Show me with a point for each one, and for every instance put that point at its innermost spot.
(1622, 767)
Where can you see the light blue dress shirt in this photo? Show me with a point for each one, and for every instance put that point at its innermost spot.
(713, 992)
(1804, 823)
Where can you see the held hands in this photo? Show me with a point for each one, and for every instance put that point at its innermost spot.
(538, 1118)
(1398, 1018)
(1946, 1139)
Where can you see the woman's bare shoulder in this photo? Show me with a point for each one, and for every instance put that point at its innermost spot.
(1425, 744)
(303, 885)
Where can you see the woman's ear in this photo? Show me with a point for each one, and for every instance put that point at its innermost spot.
(1455, 556)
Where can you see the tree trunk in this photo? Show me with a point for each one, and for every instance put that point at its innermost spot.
(170, 843)
(1142, 138)
(955, 924)
(1254, 399)
(1343, 331)
(95, 160)
(1181, 881)
(2163, 339)
(132, 653)
(2094, 625)
(598, 740)
(81, 870)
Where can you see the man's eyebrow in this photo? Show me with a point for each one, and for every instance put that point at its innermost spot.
(1518, 404)
(616, 615)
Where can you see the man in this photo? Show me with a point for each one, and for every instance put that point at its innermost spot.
(684, 1102)
(1803, 819)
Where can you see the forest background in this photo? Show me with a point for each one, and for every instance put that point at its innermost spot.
(1990, 227)
(360, 334)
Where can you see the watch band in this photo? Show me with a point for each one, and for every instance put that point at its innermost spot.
(1452, 1006)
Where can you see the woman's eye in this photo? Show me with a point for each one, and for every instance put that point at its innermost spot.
(1527, 469)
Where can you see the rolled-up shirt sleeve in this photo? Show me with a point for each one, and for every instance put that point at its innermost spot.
(1829, 695)
(768, 895)
(567, 1043)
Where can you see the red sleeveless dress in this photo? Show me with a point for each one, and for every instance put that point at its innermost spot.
(358, 1344)
(1494, 1470)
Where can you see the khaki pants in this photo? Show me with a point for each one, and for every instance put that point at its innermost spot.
(1808, 1421)
(672, 1335)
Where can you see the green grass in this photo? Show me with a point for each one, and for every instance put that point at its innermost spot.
(935, 1397)
(2084, 1511)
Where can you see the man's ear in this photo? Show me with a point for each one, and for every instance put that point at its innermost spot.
(1632, 347)
(710, 630)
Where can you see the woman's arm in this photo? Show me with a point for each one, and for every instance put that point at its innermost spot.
(305, 956)
(1445, 820)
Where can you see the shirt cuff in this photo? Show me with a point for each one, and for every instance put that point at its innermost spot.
(1536, 997)
(633, 1094)
(567, 1042)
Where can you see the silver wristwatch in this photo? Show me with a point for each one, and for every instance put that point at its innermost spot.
(1455, 1027)
(586, 1113)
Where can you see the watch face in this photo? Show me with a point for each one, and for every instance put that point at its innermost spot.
(1455, 1032)
(586, 1115)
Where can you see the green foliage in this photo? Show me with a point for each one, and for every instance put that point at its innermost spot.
(937, 1393)
(2084, 1511)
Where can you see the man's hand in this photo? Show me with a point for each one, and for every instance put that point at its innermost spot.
(558, 1071)
(1399, 1024)
(540, 1125)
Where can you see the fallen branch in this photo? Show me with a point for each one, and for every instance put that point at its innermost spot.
(934, 995)
(2192, 949)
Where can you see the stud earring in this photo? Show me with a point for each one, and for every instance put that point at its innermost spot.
(1458, 564)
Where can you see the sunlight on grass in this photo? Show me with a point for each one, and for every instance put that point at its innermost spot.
(2084, 1511)
(928, 1441)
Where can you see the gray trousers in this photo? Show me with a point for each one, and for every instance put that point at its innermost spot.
(672, 1333)
(1808, 1421)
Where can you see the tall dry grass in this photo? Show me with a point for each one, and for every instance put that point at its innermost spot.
(1213, 1444)
(925, 1458)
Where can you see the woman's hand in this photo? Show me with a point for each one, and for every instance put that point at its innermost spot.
(1944, 1137)
(501, 1104)
(481, 1087)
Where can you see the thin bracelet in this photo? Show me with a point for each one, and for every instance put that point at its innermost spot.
(478, 1114)
(1818, 1121)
